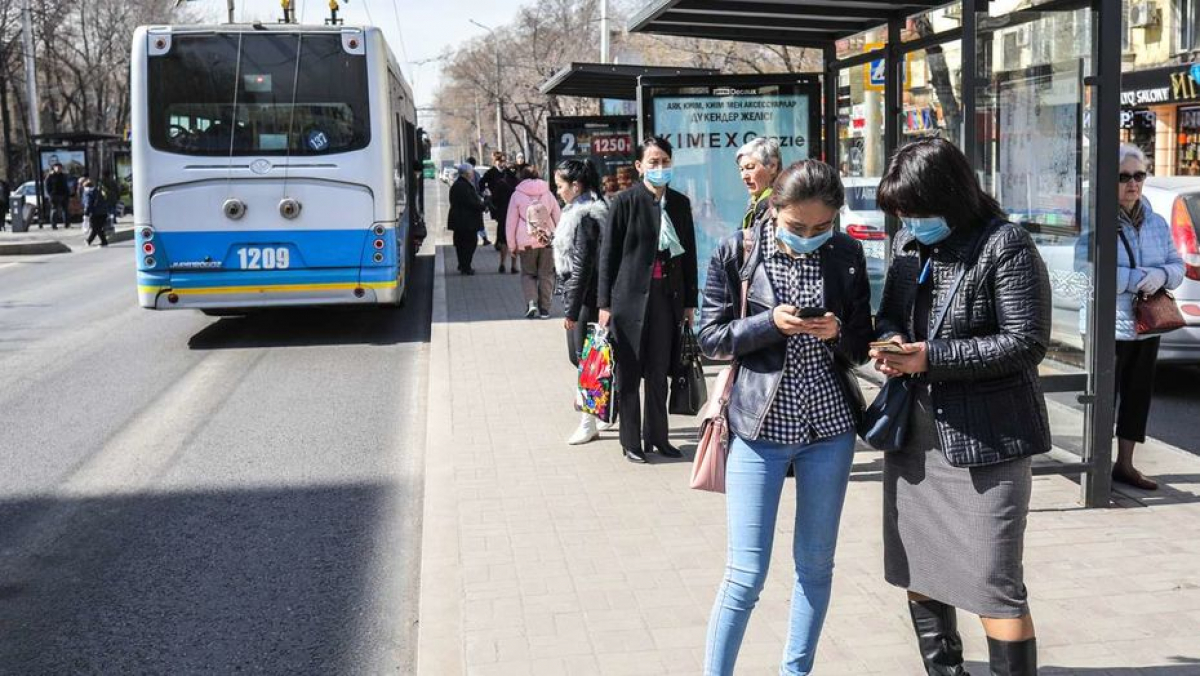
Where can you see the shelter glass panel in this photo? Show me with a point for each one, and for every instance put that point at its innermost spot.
(933, 96)
(1035, 143)
(864, 42)
(862, 159)
(932, 22)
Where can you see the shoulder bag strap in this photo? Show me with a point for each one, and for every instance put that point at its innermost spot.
(958, 278)
(1128, 249)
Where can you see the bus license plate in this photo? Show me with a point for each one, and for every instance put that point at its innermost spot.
(264, 257)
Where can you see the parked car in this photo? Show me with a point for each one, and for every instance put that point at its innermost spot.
(449, 174)
(1175, 198)
(861, 219)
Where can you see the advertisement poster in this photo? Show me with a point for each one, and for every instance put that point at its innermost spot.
(707, 125)
(74, 160)
(607, 142)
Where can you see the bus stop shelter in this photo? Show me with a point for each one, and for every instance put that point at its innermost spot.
(608, 80)
(1030, 90)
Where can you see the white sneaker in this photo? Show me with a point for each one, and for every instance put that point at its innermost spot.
(532, 312)
(585, 432)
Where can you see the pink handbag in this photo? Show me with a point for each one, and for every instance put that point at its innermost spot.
(708, 467)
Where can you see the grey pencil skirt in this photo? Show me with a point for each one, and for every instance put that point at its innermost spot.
(955, 534)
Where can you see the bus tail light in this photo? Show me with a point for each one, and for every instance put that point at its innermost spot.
(379, 244)
(1183, 231)
(149, 261)
(378, 257)
(378, 230)
(147, 234)
(865, 233)
(148, 248)
(172, 298)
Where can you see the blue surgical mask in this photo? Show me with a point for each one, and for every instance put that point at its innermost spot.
(928, 230)
(801, 245)
(659, 177)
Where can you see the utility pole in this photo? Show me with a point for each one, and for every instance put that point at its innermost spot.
(478, 132)
(604, 31)
(499, 102)
(31, 92)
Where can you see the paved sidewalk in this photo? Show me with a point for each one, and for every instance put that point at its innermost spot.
(44, 240)
(540, 558)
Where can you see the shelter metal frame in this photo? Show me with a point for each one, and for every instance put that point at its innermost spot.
(821, 24)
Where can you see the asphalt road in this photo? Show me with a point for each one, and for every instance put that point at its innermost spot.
(183, 494)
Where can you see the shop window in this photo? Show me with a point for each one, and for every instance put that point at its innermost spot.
(1188, 12)
(861, 159)
(932, 22)
(1189, 142)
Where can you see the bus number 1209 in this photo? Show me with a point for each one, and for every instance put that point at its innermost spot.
(254, 258)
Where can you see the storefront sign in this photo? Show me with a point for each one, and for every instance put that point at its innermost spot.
(1161, 85)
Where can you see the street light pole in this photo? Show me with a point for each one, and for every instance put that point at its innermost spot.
(604, 31)
(31, 92)
(499, 102)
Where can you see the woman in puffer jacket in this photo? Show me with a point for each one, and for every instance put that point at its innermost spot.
(576, 258)
(531, 241)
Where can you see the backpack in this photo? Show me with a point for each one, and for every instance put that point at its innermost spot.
(538, 223)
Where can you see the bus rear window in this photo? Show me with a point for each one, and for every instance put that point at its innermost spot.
(196, 110)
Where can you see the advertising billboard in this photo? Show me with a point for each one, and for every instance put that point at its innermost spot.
(707, 119)
(608, 142)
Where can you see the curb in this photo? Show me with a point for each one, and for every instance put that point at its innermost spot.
(34, 248)
(439, 606)
(54, 246)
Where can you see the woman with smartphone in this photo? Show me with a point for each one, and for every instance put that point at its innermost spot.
(807, 323)
(967, 305)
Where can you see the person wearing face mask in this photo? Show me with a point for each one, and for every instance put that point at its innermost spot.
(647, 287)
(794, 401)
(967, 302)
(759, 163)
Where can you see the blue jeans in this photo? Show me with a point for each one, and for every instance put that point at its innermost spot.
(753, 482)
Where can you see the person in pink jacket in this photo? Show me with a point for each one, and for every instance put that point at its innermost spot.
(533, 215)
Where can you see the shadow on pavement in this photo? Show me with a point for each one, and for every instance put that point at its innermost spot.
(303, 327)
(1188, 666)
(261, 581)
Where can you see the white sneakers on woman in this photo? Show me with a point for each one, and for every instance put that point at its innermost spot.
(586, 431)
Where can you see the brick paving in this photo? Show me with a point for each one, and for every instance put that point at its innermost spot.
(541, 558)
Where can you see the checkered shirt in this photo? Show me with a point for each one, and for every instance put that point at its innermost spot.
(809, 404)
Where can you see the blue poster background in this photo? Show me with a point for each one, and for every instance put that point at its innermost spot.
(706, 132)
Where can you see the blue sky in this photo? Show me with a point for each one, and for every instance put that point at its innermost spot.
(425, 28)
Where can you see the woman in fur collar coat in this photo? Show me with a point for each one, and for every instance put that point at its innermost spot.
(576, 258)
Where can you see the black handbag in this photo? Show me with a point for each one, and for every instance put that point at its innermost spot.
(689, 391)
(885, 422)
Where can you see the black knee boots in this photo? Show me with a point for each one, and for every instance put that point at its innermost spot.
(1013, 658)
(936, 625)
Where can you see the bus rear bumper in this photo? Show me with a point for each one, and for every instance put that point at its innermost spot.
(223, 291)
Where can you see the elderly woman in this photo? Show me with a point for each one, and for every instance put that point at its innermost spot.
(759, 162)
(967, 302)
(807, 323)
(465, 217)
(1147, 261)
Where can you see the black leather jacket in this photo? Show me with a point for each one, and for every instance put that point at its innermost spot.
(579, 287)
(760, 348)
(983, 378)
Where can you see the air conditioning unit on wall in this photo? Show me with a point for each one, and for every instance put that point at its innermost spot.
(1143, 15)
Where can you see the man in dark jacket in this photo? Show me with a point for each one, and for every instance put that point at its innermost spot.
(499, 183)
(648, 286)
(58, 189)
(466, 217)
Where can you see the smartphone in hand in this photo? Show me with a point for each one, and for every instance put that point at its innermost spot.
(811, 312)
(887, 346)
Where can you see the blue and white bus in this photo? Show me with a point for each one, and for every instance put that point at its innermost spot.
(273, 165)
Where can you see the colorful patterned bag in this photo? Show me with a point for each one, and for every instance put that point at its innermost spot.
(596, 388)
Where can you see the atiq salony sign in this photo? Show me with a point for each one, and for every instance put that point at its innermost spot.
(1178, 84)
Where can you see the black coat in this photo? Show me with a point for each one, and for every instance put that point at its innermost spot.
(756, 342)
(466, 207)
(628, 249)
(500, 183)
(983, 360)
(57, 185)
(579, 287)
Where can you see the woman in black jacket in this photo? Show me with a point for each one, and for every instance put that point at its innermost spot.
(465, 217)
(647, 288)
(808, 322)
(576, 258)
(967, 299)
